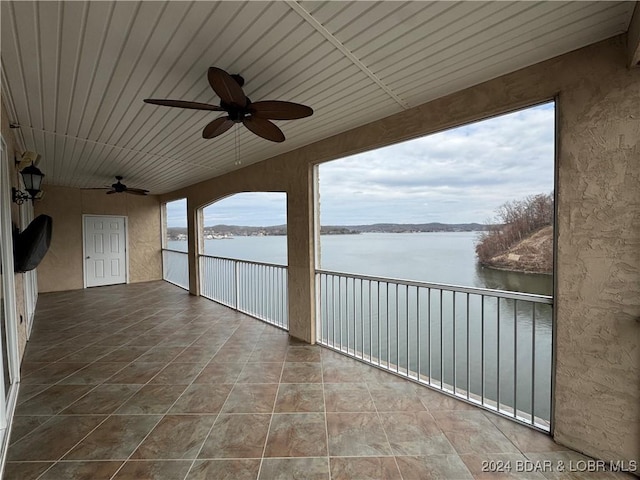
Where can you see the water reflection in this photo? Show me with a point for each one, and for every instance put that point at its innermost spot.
(513, 281)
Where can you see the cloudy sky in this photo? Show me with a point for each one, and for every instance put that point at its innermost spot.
(461, 175)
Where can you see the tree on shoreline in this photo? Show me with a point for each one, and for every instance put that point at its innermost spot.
(515, 221)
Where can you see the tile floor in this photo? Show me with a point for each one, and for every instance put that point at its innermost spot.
(144, 381)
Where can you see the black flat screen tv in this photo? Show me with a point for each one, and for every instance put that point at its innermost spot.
(31, 245)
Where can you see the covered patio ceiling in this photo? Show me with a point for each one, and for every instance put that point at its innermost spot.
(74, 74)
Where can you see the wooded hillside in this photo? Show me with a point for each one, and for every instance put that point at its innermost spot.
(522, 238)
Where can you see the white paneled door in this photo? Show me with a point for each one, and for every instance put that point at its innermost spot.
(105, 253)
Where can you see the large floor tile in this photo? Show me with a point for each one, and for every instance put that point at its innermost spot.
(437, 467)
(53, 439)
(303, 354)
(175, 437)
(261, 372)
(115, 439)
(237, 436)
(218, 372)
(177, 374)
(500, 466)
(297, 468)
(348, 397)
(297, 435)
(102, 470)
(356, 435)
(94, 373)
(364, 468)
(53, 400)
(52, 373)
(236, 469)
(103, 399)
(301, 372)
(25, 470)
(526, 439)
(136, 372)
(202, 399)
(299, 397)
(24, 425)
(153, 470)
(396, 397)
(415, 433)
(151, 399)
(251, 398)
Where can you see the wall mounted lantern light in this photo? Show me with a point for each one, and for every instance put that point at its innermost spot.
(32, 179)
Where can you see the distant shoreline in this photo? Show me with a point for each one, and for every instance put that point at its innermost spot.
(180, 233)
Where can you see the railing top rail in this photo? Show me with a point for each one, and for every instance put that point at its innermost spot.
(530, 297)
(176, 251)
(266, 264)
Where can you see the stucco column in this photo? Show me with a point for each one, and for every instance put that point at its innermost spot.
(300, 249)
(194, 227)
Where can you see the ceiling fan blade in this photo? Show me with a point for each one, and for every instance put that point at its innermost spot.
(97, 188)
(278, 110)
(264, 128)
(217, 127)
(226, 87)
(111, 192)
(136, 191)
(183, 104)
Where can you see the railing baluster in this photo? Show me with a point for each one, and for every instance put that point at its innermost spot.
(482, 351)
(407, 331)
(454, 343)
(326, 294)
(388, 316)
(370, 323)
(468, 354)
(533, 363)
(515, 358)
(429, 334)
(498, 355)
(378, 312)
(397, 329)
(418, 345)
(362, 319)
(441, 342)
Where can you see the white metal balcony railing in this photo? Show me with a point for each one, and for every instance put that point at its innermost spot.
(175, 267)
(491, 348)
(254, 288)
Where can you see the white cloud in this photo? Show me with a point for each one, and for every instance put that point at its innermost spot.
(457, 176)
(460, 175)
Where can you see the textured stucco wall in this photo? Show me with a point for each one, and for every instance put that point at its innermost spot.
(62, 267)
(597, 408)
(598, 282)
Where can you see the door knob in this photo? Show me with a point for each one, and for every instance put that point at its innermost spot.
(88, 258)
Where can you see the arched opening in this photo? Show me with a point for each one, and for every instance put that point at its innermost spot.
(243, 263)
(175, 265)
(401, 280)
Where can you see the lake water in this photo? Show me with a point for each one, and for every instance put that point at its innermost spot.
(438, 257)
(379, 322)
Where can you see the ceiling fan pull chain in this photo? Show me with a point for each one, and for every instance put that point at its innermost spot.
(237, 146)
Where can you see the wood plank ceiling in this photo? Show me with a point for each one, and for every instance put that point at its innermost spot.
(74, 73)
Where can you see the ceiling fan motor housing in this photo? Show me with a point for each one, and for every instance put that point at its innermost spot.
(236, 112)
(118, 186)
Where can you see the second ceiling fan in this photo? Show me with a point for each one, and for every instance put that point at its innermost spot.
(255, 116)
